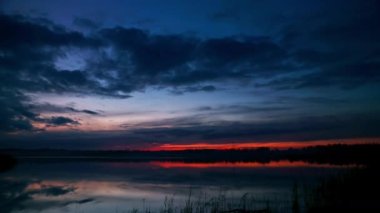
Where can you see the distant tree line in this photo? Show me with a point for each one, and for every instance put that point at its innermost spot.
(333, 154)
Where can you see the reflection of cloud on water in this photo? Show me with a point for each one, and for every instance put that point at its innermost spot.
(68, 195)
(101, 186)
(224, 164)
(42, 189)
(18, 195)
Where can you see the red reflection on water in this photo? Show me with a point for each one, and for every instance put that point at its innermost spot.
(272, 164)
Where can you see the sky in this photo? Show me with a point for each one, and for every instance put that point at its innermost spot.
(151, 74)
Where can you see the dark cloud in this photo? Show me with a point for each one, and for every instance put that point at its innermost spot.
(255, 50)
(15, 114)
(39, 35)
(342, 48)
(242, 109)
(27, 62)
(152, 54)
(86, 111)
(182, 90)
(85, 23)
(320, 100)
(357, 21)
(59, 121)
(46, 107)
(178, 60)
(27, 65)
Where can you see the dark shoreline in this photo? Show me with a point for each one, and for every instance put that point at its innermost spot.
(7, 162)
(365, 154)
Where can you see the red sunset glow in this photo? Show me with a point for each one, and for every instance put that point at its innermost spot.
(253, 145)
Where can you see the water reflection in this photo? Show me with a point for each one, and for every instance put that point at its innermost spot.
(58, 186)
(271, 164)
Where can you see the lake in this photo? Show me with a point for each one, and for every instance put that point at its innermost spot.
(50, 185)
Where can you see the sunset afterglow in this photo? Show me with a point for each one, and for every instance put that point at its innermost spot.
(254, 145)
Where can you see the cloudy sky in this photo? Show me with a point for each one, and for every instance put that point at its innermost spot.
(130, 74)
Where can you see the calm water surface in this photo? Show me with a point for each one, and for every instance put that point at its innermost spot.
(83, 186)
